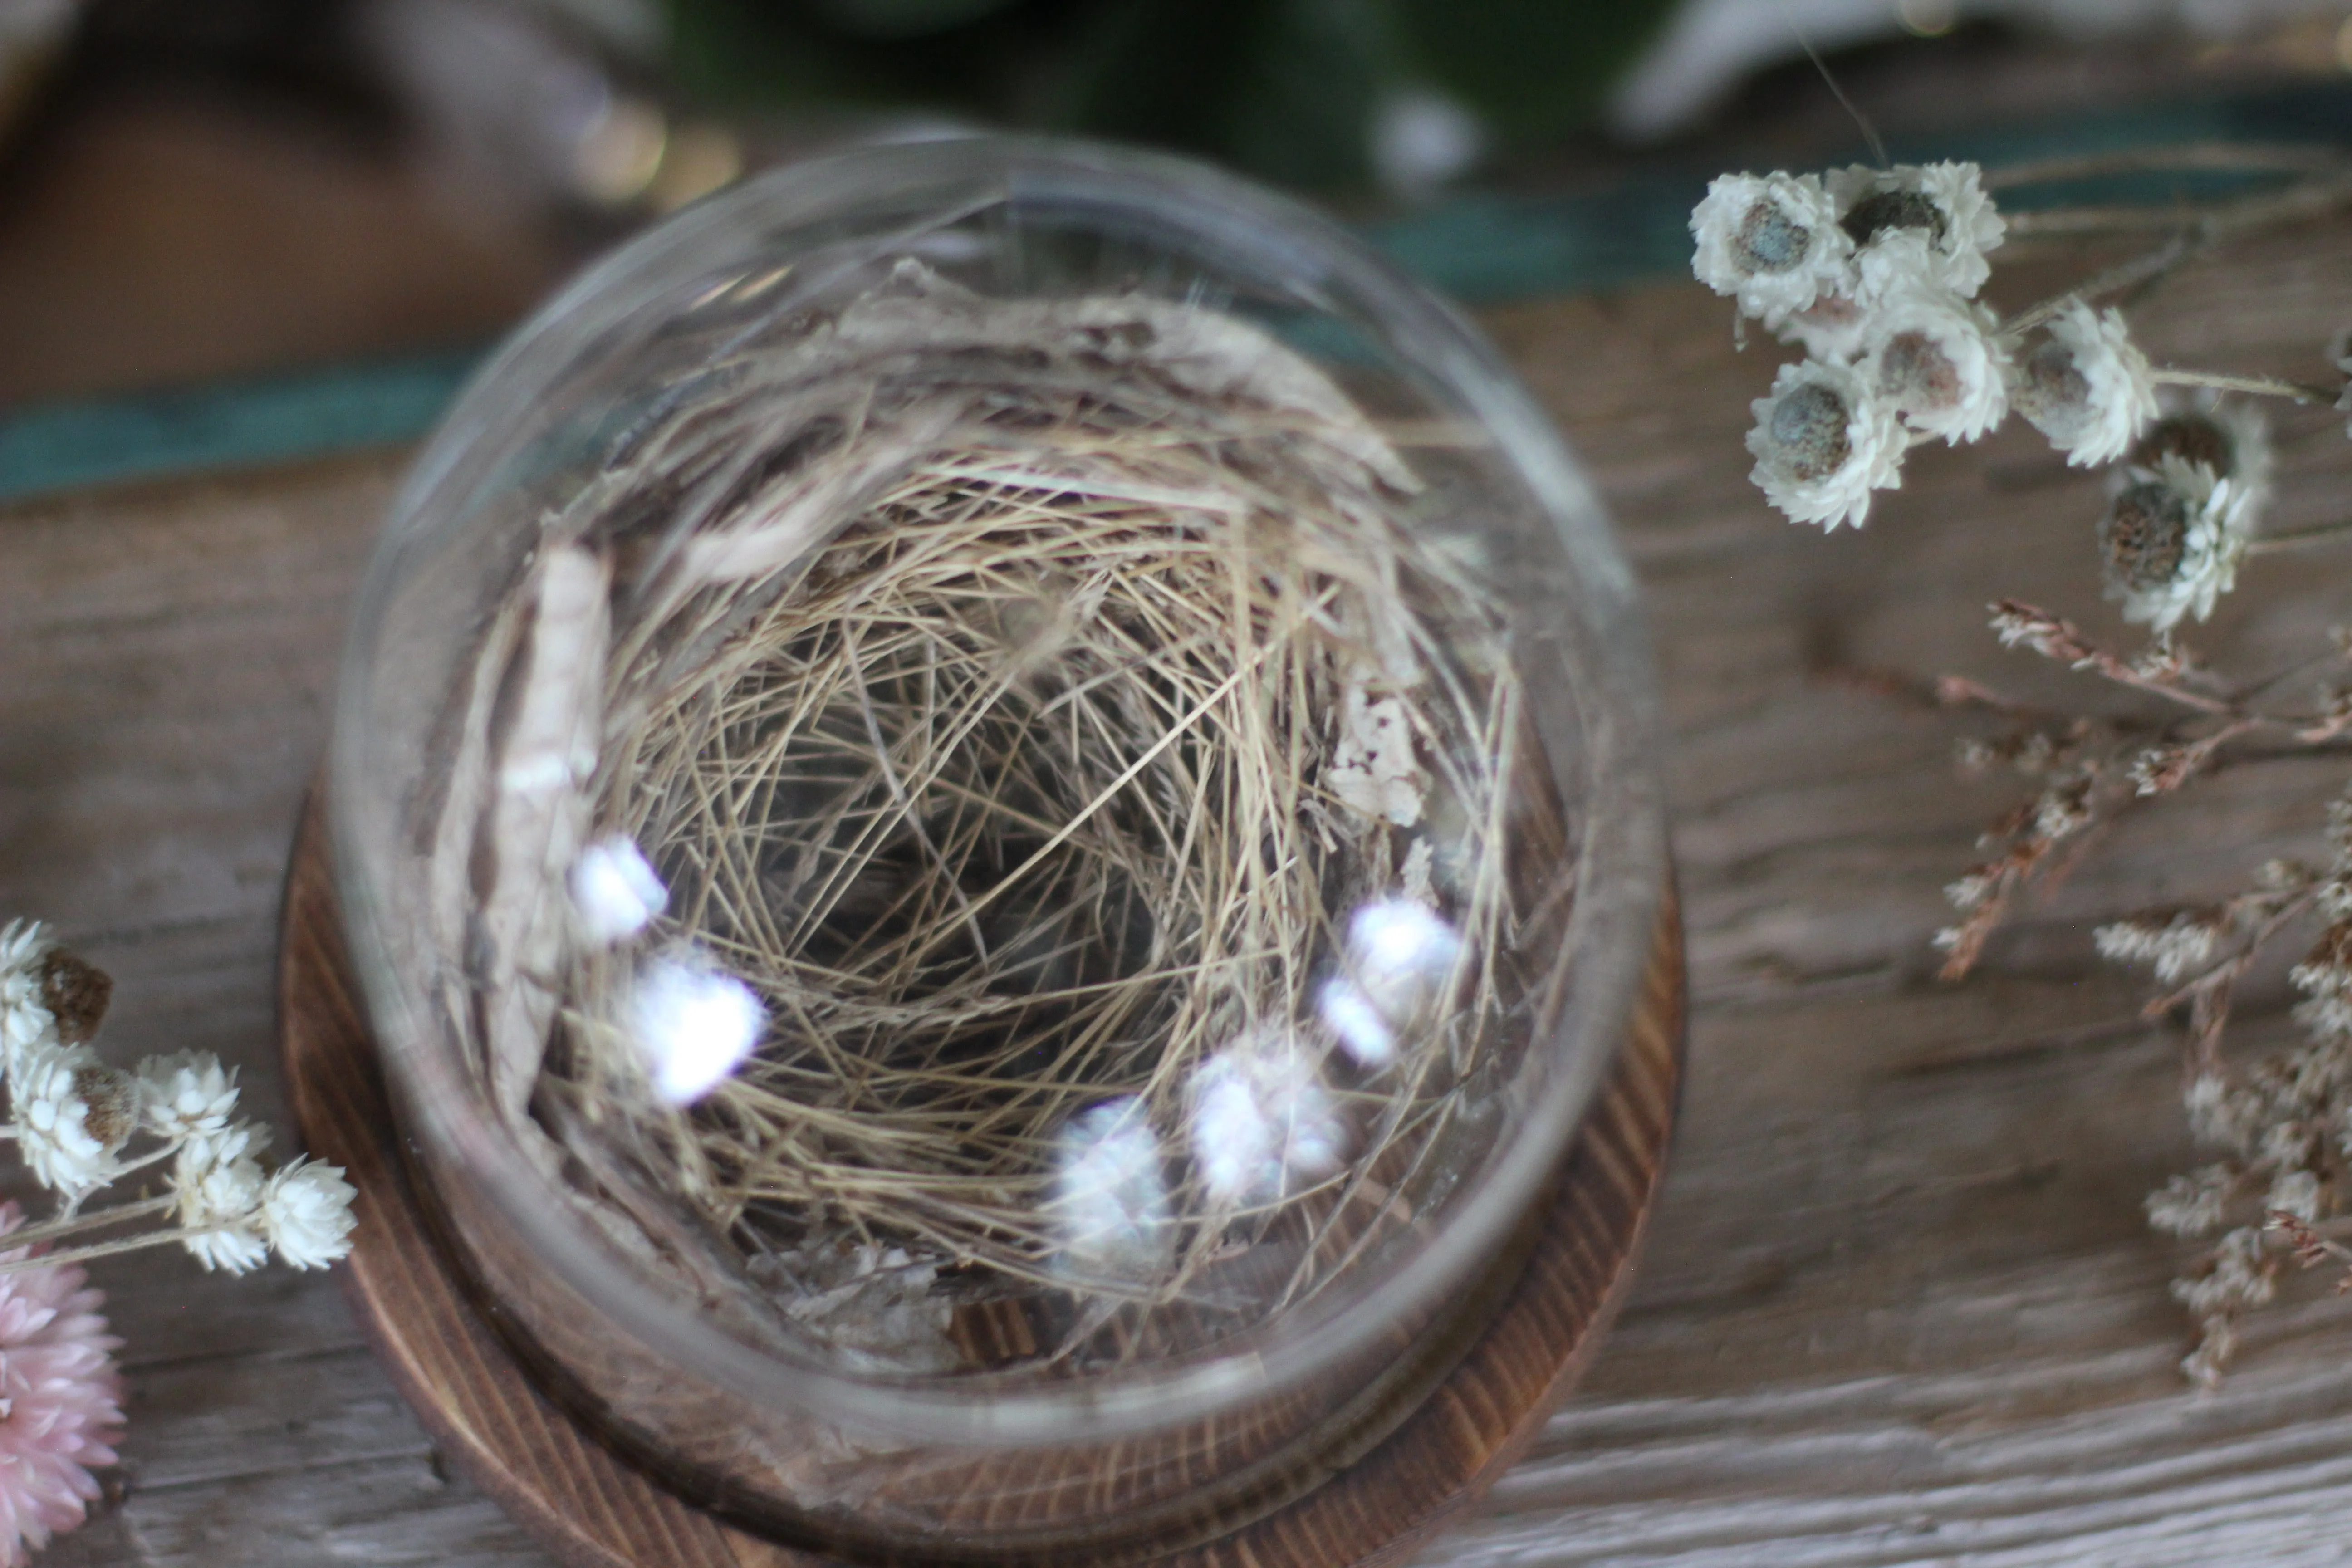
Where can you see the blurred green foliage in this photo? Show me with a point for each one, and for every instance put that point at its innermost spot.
(1287, 89)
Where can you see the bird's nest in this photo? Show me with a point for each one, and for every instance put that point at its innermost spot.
(1028, 702)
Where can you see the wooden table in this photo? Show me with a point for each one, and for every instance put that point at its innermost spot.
(1900, 1305)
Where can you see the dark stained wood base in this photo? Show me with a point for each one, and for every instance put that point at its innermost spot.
(592, 1510)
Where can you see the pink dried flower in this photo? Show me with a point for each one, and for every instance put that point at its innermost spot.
(61, 1400)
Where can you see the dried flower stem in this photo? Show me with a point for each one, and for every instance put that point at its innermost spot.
(2209, 994)
(96, 1220)
(2300, 537)
(2260, 386)
(2231, 157)
(2311, 1244)
(2114, 280)
(168, 1236)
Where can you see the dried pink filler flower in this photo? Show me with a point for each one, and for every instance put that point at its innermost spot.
(61, 1400)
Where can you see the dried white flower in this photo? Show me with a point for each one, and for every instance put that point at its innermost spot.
(306, 1214)
(1823, 443)
(694, 1024)
(616, 889)
(2329, 1017)
(2064, 809)
(2228, 439)
(1771, 241)
(219, 1186)
(72, 1113)
(185, 1093)
(2212, 1113)
(2316, 1074)
(1970, 893)
(1109, 1208)
(2296, 1193)
(1262, 1122)
(2326, 970)
(2017, 627)
(1943, 204)
(2192, 1204)
(2286, 1144)
(1363, 1031)
(2239, 1275)
(2087, 387)
(2216, 1346)
(2171, 541)
(2176, 949)
(25, 1016)
(2325, 975)
(1398, 955)
(1933, 356)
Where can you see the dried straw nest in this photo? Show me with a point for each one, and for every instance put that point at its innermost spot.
(1019, 698)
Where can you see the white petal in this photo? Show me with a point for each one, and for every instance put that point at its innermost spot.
(1798, 481)
(1804, 252)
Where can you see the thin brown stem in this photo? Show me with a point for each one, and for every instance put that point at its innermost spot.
(2227, 156)
(2260, 386)
(75, 1255)
(2114, 280)
(24, 1236)
(2300, 537)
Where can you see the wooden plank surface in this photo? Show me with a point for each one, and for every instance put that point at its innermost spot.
(1899, 1304)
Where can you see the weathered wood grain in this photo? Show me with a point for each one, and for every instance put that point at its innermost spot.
(1898, 1305)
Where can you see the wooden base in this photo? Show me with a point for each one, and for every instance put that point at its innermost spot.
(592, 1509)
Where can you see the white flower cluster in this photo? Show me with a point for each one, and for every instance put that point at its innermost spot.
(1875, 276)
(1875, 273)
(72, 1118)
(2183, 511)
(2176, 949)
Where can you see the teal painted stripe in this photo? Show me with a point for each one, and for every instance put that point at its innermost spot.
(62, 446)
(1482, 248)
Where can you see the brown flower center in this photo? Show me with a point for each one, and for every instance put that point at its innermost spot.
(1809, 425)
(2192, 437)
(2051, 381)
(1875, 215)
(113, 1099)
(1914, 368)
(75, 993)
(2144, 536)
